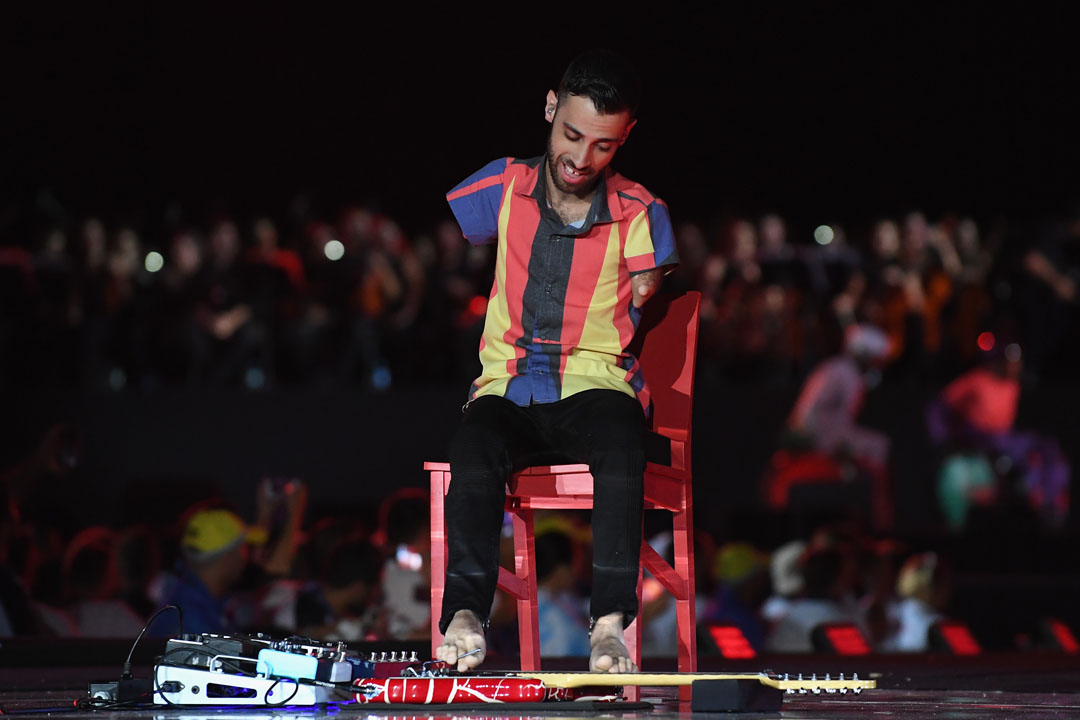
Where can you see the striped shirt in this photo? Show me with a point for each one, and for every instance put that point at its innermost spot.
(560, 316)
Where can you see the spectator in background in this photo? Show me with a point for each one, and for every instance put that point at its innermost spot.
(231, 340)
(828, 576)
(339, 603)
(880, 566)
(176, 336)
(825, 415)
(923, 587)
(120, 329)
(93, 588)
(971, 303)
(406, 578)
(215, 554)
(375, 290)
(1049, 299)
(895, 295)
(560, 610)
(741, 573)
(785, 572)
(978, 410)
(277, 288)
(314, 341)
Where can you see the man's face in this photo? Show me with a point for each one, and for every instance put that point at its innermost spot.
(582, 142)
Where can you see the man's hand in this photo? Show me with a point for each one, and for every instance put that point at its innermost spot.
(645, 285)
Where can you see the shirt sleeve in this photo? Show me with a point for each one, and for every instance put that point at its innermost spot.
(475, 202)
(650, 242)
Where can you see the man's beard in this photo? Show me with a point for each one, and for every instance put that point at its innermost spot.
(584, 190)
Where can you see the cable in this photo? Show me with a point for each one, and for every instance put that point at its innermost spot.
(157, 685)
(286, 701)
(125, 673)
(98, 704)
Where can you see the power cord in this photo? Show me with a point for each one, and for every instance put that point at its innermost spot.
(125, 673)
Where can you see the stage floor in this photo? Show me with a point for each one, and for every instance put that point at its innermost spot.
(894, 704)
(1002, 686)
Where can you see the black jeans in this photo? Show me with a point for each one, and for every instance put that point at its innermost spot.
(604, 428)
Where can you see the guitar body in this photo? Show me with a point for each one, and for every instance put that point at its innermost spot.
(465, 689)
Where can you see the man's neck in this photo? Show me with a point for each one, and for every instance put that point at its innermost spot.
(569, 207)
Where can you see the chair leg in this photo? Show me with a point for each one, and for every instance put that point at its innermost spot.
(525, 569)
(685, 610)
(438, 554)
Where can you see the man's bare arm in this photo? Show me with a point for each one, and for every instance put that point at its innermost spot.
(645, 285)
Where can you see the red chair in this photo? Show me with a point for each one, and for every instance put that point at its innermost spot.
(666, 343)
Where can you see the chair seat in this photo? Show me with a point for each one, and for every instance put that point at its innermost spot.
(568, 487)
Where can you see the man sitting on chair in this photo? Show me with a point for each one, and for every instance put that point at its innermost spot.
(580, 250)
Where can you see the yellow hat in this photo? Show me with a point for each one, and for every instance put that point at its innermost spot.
(210, 532)
(734, 562)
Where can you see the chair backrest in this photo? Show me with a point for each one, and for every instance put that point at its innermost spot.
(666, 346)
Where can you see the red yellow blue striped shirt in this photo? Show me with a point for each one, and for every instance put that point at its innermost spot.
(560, 316)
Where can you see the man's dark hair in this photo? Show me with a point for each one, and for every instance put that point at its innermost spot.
(608, 79)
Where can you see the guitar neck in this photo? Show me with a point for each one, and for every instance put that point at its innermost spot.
(584, 679)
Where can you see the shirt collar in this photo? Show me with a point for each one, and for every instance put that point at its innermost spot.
(605, 208)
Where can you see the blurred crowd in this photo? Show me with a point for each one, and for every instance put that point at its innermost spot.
(774, 308)
(974, 314)
(355, 302)
(359, 301)
(283, 573)
(333, 578)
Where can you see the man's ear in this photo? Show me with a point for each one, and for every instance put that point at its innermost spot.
(626, 131)
(551, 105)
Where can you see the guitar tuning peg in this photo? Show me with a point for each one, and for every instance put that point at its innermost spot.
(816, 690)
(393, 656)
(414, 657)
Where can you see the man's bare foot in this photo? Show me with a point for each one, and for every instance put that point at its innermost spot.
(464, 634)
(608, 648)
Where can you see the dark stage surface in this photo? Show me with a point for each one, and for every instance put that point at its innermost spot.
(917, 686)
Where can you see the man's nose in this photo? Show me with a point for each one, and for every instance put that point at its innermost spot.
(581, 157)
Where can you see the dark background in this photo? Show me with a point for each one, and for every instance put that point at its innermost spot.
(825, 111)
(838, 112)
